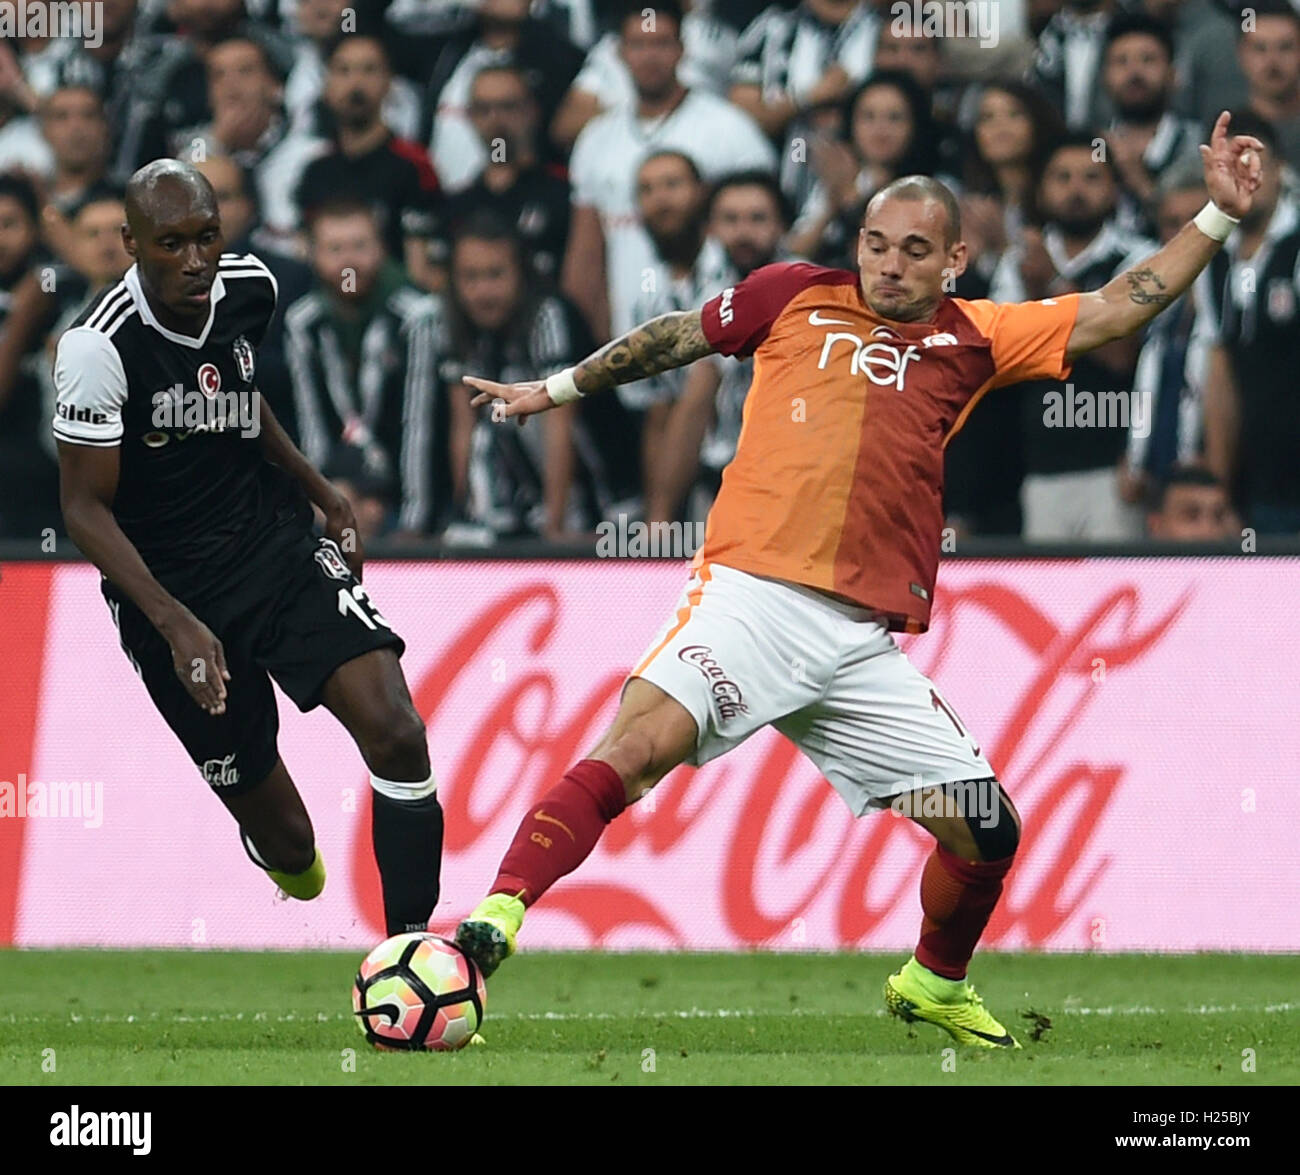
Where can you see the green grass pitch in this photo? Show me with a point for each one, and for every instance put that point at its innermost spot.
(208, 1017)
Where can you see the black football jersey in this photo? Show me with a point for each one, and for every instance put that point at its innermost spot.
(195, 494)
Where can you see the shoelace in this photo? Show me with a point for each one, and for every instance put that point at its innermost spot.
(971, 1013)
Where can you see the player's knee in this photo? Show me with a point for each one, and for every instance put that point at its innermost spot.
(632, 755)
(997, 830)
(397, 745)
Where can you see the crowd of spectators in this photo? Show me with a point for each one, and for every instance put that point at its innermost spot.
(495, 187)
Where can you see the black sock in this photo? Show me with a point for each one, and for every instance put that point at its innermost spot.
(407, 837)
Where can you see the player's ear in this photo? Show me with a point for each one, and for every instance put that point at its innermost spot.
(128, 241)
(958, 259)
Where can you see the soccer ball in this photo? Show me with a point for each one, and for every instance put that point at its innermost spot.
(418, 991)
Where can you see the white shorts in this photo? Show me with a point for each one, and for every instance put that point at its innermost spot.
(743, 652)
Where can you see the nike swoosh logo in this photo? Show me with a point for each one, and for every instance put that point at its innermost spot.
(1005, 1038)
(817, 320)
(559, 823)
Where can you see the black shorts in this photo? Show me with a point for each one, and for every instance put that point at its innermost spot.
(297, 615)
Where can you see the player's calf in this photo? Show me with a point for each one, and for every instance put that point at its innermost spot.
(301, 872)
(650, 735)
(978, 833)
(553, 839)
(369, 696)
(405, 816)
(977, 830)
(406, 834)
(276, 833)
(289, 847)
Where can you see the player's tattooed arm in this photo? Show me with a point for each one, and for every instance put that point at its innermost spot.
(1124, 305)
(1147, 288)
(671, 340)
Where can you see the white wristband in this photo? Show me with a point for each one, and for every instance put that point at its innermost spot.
(561, 388)
(1214, 222)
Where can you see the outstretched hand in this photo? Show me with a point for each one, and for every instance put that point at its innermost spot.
(1232, 168)
(520, 400)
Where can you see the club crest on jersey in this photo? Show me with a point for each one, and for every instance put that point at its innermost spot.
(331, 561)
(1281, 300)
(245, 358)
(943, 339)
(209, 379)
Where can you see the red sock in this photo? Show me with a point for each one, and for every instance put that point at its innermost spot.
(957, 898)
(560, 832)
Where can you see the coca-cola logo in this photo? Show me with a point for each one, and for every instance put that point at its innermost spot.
(726, 693)
(759, 821)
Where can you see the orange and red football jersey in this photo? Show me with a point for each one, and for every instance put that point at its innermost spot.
(837, 482)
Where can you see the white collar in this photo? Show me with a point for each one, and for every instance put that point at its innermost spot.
(132, 279)
(649, 127)
(1106, 240)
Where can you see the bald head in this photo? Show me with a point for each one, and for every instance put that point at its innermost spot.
(166, 191)
(173, 231)
(922, 187)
